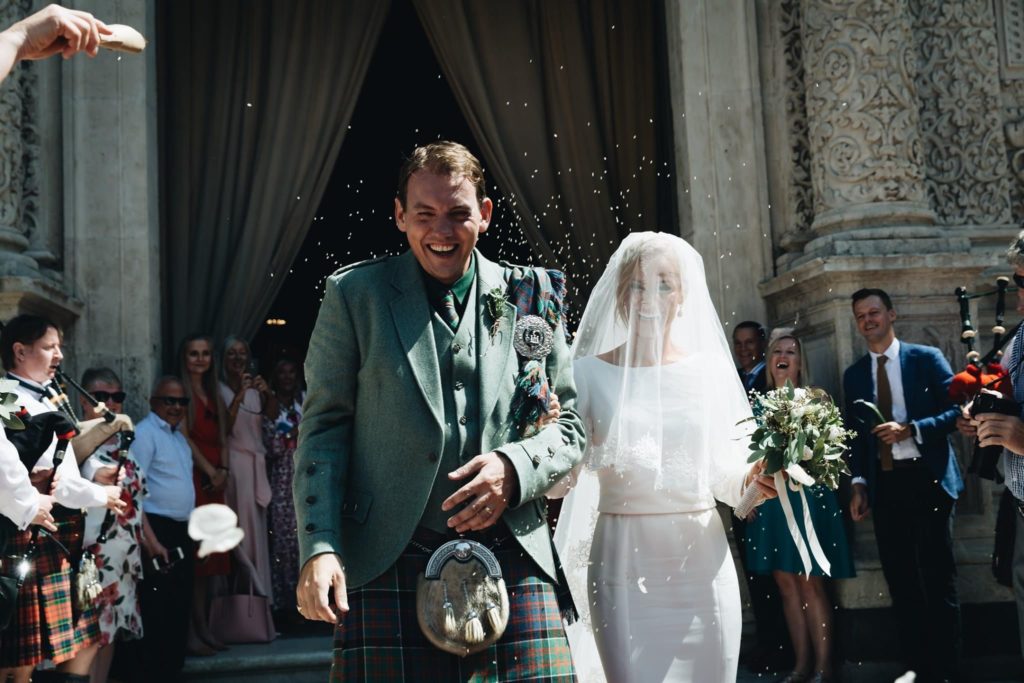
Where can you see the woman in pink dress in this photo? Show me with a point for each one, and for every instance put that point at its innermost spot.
(248, 399)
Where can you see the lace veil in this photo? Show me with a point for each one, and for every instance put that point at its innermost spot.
(649, 315)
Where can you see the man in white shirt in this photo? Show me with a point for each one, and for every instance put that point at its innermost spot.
(165, 458)
(904, 471)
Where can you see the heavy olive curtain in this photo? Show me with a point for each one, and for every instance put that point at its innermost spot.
(255, 99)
(566, 100)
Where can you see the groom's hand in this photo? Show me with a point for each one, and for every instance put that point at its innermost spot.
(319, 576)
(488, 493)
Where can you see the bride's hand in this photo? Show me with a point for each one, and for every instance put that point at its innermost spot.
(764, 482)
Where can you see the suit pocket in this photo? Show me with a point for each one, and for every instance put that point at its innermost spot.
(356, 505)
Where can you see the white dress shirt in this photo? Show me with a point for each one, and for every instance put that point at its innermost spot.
(906, 449)
(19, 500)
(72, 491)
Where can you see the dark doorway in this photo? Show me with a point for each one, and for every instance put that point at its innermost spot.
(405, 101)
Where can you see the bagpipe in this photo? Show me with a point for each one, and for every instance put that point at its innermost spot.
(87, 579)
(985, 383)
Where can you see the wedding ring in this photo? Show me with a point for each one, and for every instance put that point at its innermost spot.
(488, 510)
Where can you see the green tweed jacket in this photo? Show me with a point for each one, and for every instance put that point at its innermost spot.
(371, 429)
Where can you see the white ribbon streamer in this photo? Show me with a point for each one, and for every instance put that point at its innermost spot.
(794, 528)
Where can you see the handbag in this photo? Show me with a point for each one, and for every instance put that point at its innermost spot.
(461, 600)
(242, 618)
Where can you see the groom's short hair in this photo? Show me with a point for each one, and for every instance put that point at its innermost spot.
(443, 158)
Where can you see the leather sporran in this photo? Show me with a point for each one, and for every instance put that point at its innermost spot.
(461, 600)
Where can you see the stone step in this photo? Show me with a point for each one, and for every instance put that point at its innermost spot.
(297, 659)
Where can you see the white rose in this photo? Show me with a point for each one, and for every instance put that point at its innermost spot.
(834, 433)
(808, 453)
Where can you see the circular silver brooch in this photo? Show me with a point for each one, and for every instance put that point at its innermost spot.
(533, 337)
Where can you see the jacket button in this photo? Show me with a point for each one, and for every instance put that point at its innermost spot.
(456, 348)
(310, 500)
(432, 457)
(311, 470)
(458, 385)
(463, 420)
(311, 527)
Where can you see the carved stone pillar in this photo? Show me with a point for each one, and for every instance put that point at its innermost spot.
(18, 152)
(863, 115)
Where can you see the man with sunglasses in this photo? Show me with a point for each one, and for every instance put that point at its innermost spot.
(164, 455)
(1008, 431)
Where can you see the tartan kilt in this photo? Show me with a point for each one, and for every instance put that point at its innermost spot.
(44, 624)
(379, 639)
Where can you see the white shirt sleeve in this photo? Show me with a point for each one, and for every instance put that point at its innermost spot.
(19, 500)
(73, 491)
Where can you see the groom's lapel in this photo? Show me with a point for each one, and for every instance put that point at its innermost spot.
(494, 352)
(412, 316)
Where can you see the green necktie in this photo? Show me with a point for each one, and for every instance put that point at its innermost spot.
(448, 311)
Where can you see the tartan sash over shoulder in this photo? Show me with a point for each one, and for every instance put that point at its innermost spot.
(540, 292)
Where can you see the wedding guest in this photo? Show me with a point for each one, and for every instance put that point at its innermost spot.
(166, 457)
(205, 428)
(44, 626)
(773, 650)
(51, 30)
(280, 436)
(748, 341)
(248, 400)
(119, 556)
(993, 429)
(664, 444)
(770, 549)
(904, 470)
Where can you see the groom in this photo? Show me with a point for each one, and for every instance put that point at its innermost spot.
(407, 441)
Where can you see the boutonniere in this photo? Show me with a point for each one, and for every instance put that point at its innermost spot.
(496, 301)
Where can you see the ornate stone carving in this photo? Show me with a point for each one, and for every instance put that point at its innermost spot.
(958, 87)
(19, 154)
(862, 112)
(800, 191)
(1010, 14)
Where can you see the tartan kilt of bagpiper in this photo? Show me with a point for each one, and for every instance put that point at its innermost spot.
(379, 638)
(45, 626)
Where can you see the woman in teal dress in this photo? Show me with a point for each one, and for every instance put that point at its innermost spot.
(770, 548)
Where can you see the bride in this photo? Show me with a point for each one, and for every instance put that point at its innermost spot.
(644, 548)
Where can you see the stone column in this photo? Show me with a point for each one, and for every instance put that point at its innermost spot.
(19, 145)
(111, 218)
(718, 127)
(863, 115)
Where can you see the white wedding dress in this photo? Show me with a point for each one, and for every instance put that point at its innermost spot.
(639, 535)
(661, 587)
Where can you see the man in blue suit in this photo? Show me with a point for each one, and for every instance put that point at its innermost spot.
(905, 472)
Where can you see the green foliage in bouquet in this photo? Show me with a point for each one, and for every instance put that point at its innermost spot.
(800, 432)
(9, 405)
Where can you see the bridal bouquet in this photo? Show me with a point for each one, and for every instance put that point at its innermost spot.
(799, 432)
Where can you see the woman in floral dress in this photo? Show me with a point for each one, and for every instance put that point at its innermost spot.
(280, 436)
(119, 558)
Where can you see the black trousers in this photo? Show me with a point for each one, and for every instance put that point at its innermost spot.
(914, 528)
(773, 646)
(166, 601)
